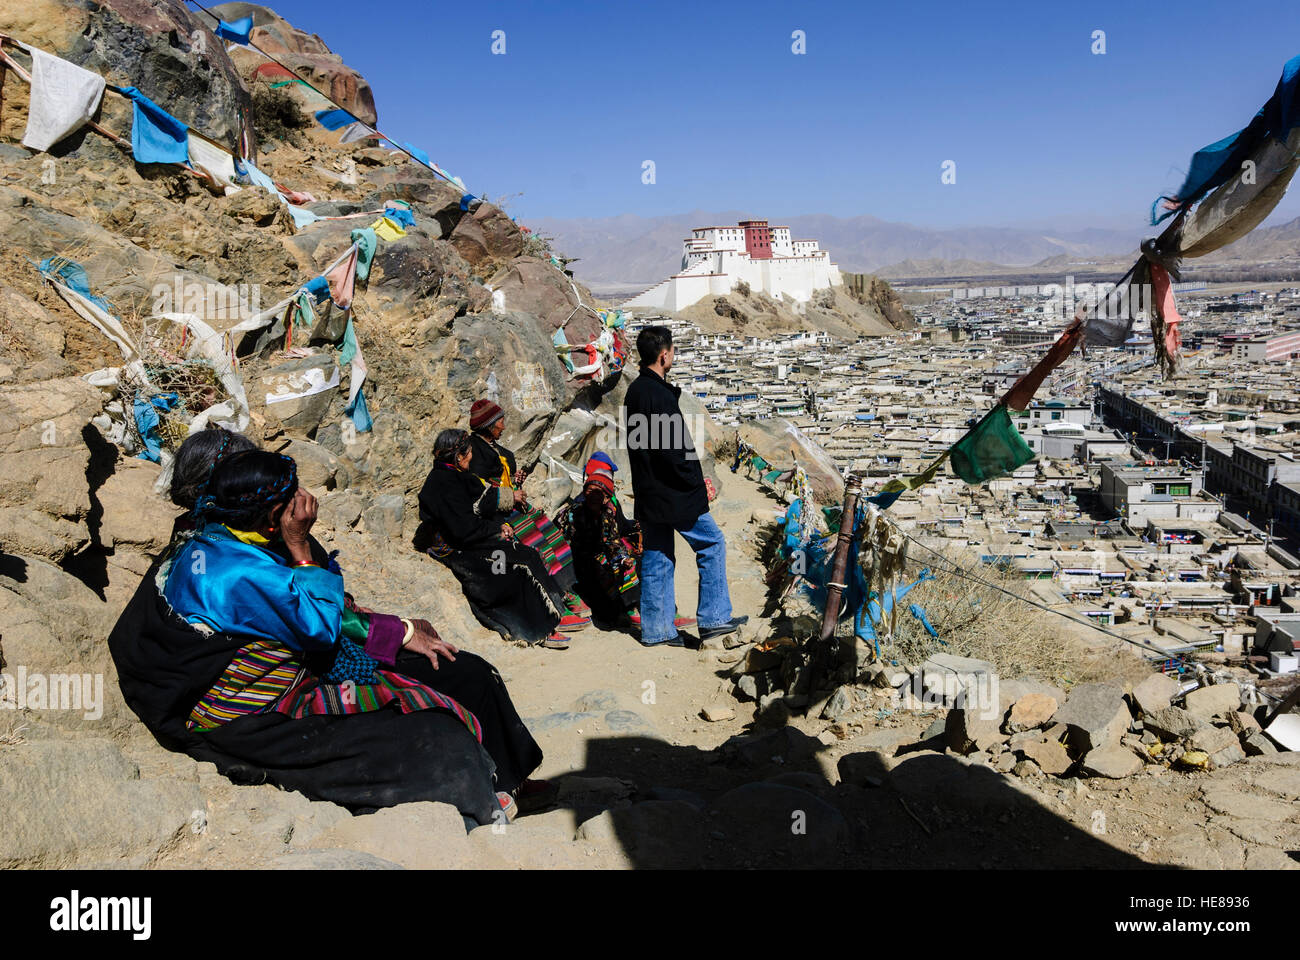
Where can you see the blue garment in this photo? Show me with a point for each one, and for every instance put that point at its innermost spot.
(236, 587)
(360, 413)
(156, 136)
(146, 422)
(318, 287)
(466, 200)
(237, 32)
(400, 215)
(918, 611)
(658, 597)
(878, 608)
(333, 119)
(73, 275)
(1215, 165)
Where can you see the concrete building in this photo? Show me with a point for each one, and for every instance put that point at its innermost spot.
(1141, 493)
(1262, 349)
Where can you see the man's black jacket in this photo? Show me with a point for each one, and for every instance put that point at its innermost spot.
(667, 481)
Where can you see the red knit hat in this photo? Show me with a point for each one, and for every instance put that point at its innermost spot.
(483, 414)
(601, 478)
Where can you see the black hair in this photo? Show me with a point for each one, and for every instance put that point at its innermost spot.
(448, 443)
(651, 342)
(198, 457)
(246, 487)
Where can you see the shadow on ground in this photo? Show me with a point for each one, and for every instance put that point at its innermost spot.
(764, 801)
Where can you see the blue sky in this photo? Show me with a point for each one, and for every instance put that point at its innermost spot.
(1042, 130)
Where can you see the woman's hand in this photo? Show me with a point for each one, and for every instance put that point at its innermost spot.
(521, 499)
(425, 640)
(296, 521)
(507, 532)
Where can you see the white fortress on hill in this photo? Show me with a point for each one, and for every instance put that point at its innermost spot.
(715, 259)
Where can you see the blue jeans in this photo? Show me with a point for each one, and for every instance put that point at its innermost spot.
(658, 600)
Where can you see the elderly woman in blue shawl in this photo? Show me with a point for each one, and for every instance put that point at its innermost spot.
(243, 649)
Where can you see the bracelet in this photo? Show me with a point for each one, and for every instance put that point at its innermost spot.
(410, 631)
(306, 563)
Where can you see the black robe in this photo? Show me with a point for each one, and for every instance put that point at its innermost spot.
(507, 584)
(361, 761)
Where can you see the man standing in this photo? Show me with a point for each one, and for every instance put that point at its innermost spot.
(671, 498)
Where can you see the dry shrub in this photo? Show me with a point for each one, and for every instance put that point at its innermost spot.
(978, 620)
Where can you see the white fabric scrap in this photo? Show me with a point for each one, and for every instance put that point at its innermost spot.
(213, 162)
(64, 98)
(105, 322)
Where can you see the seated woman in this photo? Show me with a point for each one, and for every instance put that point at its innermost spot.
(506, 583)
(605, 544)
(496, 466)
(252, 659)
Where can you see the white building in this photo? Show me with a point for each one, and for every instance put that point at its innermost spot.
(715, 259)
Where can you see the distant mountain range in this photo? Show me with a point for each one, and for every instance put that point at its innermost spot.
(628, 252)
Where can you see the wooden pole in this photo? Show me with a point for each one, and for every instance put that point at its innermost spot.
(838, 583)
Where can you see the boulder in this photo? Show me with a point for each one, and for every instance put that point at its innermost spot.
(305, 54)
(1048, 754)
(1154, 693)
(653, 833)
(945, 678)
(1256, 744)
(865, 769)
(1031, 711)
(778, 441)
(1027, 770)
(135, 518)
(1214, 701)
(1212, 739)
(34, 340)
(44, 459)
(487, 233)
(1009, 691)
(1111, 761)
(423, 836)
(340, 510)
(1242, 722)
(1095, 715)
(319, 470)
(973, 729)
(1172, 723)
(298, 393)
(82, 803)
(383, 518)
(161, 47)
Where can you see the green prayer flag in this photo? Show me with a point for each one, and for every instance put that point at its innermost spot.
(991, 449)
(366, 241)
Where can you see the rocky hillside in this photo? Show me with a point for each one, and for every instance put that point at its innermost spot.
(665, 757)
(873, 310)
